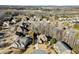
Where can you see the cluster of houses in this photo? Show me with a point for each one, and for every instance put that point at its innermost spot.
(40, 28)
(74, 20)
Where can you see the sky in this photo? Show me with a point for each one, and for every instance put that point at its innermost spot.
(39, 2)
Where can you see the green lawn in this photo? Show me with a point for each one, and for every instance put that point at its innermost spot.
(76, 27)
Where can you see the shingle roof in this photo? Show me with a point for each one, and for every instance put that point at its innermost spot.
(61, 46)
(39, 52)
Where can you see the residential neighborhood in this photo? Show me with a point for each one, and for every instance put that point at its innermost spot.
(39, 29)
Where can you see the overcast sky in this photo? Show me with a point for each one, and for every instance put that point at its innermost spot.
(39, 2)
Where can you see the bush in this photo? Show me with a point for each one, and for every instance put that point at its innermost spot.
(53, 41)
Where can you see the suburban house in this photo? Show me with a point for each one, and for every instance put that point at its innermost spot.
(62, 48)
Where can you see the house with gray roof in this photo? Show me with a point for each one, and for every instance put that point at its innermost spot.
(62, 48)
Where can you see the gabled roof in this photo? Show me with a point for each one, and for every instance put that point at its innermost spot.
(62, 46)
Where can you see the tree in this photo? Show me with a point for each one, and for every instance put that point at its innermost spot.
(8, 13)
(53, 41)
(56, 17)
